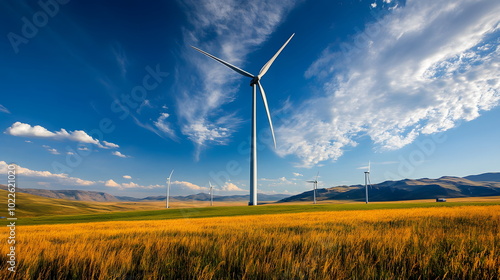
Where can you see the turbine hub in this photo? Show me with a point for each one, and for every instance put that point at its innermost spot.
(254, 80)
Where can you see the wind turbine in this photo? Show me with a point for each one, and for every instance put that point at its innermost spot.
(367, 182)
(211, 194)
(254, 83)
(315, 186)
(168, 186)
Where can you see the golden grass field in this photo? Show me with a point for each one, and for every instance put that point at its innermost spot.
(418, 243)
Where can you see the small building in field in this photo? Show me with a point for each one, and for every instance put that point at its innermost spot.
(440, 199)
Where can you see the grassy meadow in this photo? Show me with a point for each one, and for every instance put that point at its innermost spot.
(453, 242)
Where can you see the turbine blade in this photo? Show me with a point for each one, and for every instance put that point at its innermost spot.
(210, 184)
(171, 174)
(268, 64)
(310, 181)
(368, 166)
(264, 99)
(238, 70)
(317, 176)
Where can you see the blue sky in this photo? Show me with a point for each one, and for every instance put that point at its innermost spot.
(106, 97)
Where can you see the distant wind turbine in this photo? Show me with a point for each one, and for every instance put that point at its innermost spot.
(168, 186)
(255, 82)
(211, 194)
(367, 182)
(315, 186)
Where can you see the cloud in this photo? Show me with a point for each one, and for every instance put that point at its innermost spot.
(51, 150)
(63, 181)
(121, 58)
(228, 30)
(127, 177)
(297, 174)
(145, 104)
(62, 178)
(110, 145)
(165, 127)
(3, 109)
(111, 183)
(278, 182)
(131, 185)
(118, 154)
(189, 185)
(25, 130)
(229, 187)
(421, 69)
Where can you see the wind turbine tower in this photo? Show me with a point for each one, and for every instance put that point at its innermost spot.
(211, 194)
(315, 186)
(367, 182)
(255, 82)
(168, 187)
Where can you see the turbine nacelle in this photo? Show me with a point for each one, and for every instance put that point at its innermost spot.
(254, 81)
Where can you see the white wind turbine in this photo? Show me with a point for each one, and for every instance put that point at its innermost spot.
(255, 82)
(315, 186)
(367, 182)
(168, 186)
(211, 194)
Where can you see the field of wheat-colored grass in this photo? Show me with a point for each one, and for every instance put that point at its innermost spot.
(424, 243)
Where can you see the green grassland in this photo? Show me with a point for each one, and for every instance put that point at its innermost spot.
(227, 211)
(36, 210)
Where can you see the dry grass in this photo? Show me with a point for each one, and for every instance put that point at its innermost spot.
(424, 243)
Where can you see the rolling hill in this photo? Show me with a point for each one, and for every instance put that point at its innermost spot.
(407, 189)
(29, 205)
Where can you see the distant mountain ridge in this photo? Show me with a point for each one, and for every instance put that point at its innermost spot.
(407, 189)
(80, 195)
(69, 194)
(485, 177)
(206, 197)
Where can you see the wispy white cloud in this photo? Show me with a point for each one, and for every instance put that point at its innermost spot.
(229, 29)
(297, 174)
(421, 69)
(121, 58)
(3, 109)
(164, 126)
(127, 177)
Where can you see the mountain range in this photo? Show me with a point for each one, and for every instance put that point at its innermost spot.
(487, 184)
(80, 195)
